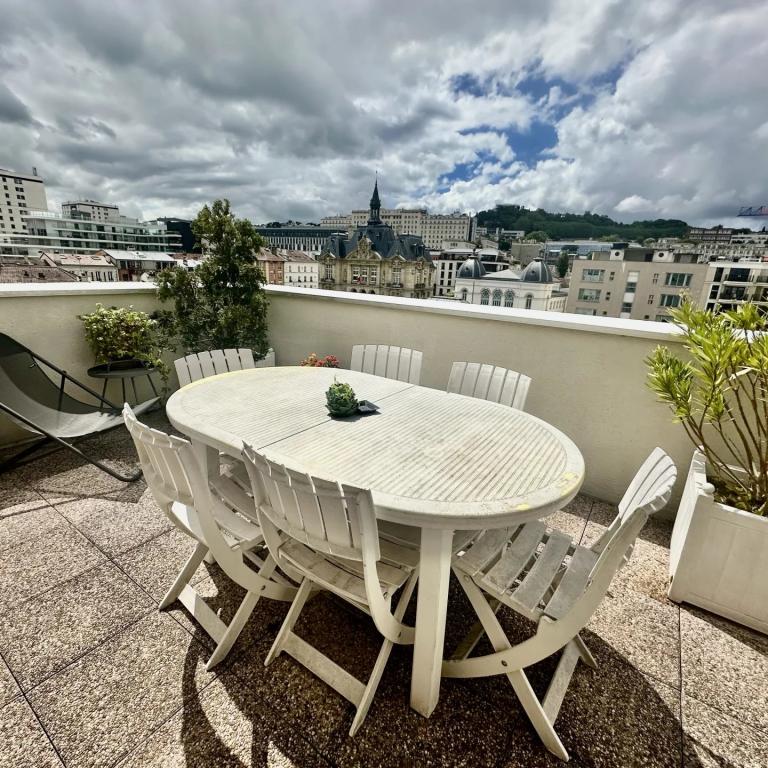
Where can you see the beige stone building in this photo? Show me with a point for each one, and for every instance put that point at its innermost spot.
(373, 258)
(19, 193)
(633, 282)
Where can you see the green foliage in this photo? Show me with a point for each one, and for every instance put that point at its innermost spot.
(341, 399)
(563, 262)
(221, 304)
(565, 226)
(537, 236)
(720, 396)
(123, 333)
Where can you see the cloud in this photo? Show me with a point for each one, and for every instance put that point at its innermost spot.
(289, 108)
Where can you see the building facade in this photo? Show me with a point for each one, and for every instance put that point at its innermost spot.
(533, 288)
(138, 266)
(90, 209)
(47, 231)
(375, 259)
(307, 238)
(727, 284)
(433, 229)
(634, 282)
(300, 270)
(19, 194)
(453, 255)
(91, 267)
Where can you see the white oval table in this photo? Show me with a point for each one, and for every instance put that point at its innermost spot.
(439, 461)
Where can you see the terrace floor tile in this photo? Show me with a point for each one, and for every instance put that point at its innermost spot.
(23, 742)
(108, 702)
(48, 632)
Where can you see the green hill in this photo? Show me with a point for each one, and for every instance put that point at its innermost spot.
(565, 226)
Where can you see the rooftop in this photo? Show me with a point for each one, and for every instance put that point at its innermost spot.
(92, 674)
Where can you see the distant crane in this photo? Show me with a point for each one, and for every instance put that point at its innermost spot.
(757, 210)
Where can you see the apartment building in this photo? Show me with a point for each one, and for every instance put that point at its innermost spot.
(308, 238)
(300, 270)
(634, 282)
(19, 194)
(433, 229)
(90, 209)
(730, 283)
(48, 231)
(91, 267)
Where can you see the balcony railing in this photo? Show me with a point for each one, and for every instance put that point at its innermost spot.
(605, 356)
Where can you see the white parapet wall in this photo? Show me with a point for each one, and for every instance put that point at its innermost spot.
(589, 374)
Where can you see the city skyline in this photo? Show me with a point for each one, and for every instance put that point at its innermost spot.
(288, 111)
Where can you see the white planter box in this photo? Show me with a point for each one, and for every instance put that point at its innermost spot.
(718, 557)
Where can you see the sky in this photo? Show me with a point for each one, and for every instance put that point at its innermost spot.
(288, 108)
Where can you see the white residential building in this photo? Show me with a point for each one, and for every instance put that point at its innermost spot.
(730, 283)
(90, 209)
(432, 228)
(455, 253)
(92, 267)
(19, 194)
(300, 270)
(533, 288)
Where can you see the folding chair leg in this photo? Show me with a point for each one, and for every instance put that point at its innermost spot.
(233, 630)
(185, 575)
(536, 714)
(383, 657)
(290, 619)
(586, 654)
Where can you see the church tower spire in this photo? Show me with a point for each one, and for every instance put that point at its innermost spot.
(375, 213)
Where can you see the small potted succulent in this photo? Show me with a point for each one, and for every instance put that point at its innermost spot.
(341, 399)
(719, 393)
(313, 361)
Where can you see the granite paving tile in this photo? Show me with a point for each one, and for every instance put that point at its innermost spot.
(712, 739)
(9, 689)
(725, 665)
(42, 562)
(643, 631)
(23, 743)
(156, 563)
(107, 703)
(48, 632)
(116, 525)
(26, 520)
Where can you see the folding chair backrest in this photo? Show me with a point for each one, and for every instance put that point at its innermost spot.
(317, 512)
(160, 458)
(391, 362)
(200, 365)
(489, 382)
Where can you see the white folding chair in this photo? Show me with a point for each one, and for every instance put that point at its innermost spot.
(544, 576)
(391, 362)
(333, 543)
(221, 518)
(200, 365)
(489, 382)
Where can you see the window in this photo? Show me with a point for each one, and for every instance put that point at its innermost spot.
(397, 275)
(463, 294)
(374, 276)
(669, 300)
(607, 295)
(593, 275)
(662, 318)
(650, 299)
(528, 301)
(655, 278)
(485, 295)
(509, 298)
(611, 276)
(626, 307)
(329, 271)
(582, 311)
(630, 288)
(633, 277)
(589, 294)
(497, 298)
(678, 279)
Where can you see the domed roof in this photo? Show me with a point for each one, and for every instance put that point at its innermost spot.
(537, 272)
(472, 269)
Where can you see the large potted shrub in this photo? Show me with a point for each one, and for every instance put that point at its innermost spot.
(719, 393)
(124, 337)
(222, 303)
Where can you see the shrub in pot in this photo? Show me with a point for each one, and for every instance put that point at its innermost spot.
(313, 361)
(124, 335)
(341, 399)
(719, 394)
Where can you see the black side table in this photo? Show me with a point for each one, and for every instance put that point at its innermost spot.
(123, 369)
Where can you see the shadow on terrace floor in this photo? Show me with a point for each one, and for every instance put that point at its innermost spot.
(93, 675)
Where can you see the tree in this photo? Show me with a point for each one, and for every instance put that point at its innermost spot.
(537, 236)
(503, 245)
(563, 262)
(649, 241)
(221, 304)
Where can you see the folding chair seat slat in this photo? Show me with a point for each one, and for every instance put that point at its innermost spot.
(515, 558)
(572, 583)
(539, 578)
(484, 549)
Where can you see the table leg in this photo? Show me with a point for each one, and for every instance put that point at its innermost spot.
(431, 609)
(208, 460)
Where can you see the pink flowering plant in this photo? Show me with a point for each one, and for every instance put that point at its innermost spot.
(313, 361)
